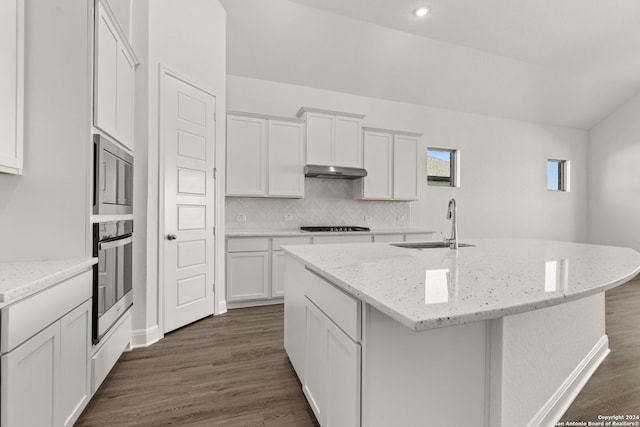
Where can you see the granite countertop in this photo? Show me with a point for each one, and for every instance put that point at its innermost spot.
(295, 232)
(21, 279)
(432, 288)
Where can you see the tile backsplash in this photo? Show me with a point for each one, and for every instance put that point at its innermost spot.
(326, 202)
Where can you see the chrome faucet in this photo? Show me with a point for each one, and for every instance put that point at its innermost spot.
(452, 214)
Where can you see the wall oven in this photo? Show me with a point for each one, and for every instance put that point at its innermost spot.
(113, 178)
(112, 276)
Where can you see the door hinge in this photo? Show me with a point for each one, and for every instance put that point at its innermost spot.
(214, 230)
(215, 173)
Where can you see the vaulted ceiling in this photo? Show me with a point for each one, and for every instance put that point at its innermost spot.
(562, 62)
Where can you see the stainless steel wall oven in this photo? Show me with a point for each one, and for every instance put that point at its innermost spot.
(112, 178)
(112, 276)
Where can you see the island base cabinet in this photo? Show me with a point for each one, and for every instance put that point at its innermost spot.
(30, 381)
(332, 371)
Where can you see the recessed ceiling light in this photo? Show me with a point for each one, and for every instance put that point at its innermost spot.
(421, 11)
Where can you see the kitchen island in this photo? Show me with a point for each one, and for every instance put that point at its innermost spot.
(504, 333)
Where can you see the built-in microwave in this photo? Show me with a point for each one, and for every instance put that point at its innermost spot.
(112, 178)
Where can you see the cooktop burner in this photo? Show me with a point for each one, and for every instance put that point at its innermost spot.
(335, 228)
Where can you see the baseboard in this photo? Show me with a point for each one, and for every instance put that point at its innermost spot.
(145, 337)
(222, 307)
(257, 303)
(558, 404)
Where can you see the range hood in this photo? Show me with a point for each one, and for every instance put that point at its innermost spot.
(334, 172)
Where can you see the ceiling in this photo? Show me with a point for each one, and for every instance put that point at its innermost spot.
(561, 62)
(594, 38)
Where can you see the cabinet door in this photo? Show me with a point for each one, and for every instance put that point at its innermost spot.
(286, 159)
(314, 384)
(320, 136)
(75, 349)
(342, 404)
(347, 147)
(378, 152)
(246, 156)
(277, 274)
(106, 73)
(247, 276)
(30, 381)
(11, 85)
(125, 97)
(405, 167)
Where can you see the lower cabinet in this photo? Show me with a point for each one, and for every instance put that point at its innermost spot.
(45, 380)
(277, 273)
(247, 276)
(332, 371)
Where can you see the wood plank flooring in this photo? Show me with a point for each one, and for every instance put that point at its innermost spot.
(232, 370)
(229, 370)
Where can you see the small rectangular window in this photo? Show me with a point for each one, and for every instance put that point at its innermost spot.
(557, 175)
(441, 167)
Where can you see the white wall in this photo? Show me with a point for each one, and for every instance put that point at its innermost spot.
(614, 179)
(503, 162)
(189, 38)
(44, 212)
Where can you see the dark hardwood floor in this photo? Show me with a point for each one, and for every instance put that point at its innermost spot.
(229, 370)
(232, 370)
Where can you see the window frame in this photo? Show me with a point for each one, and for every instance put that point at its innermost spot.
(454, 179)
(563, 175)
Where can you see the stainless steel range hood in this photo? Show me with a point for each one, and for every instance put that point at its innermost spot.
(334, 172)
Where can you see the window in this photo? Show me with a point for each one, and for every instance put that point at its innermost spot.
(557, 175)
(441, 167)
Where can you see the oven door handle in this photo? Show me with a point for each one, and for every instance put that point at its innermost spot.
(114, 243)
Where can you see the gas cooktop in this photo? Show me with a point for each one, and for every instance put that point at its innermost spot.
(335, 228)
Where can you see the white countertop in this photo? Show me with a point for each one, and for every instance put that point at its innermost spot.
(432, 288)
(21, 279)
(296, 232)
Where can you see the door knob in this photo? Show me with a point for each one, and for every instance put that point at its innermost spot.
(171, 237)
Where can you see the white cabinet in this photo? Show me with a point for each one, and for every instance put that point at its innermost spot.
(391, 161)
(277, 273)
(115, 64)
(332, 358)
(333, 138)
(264, 156)
(30, 381)
(11, 85)
(45, 362)
(247, 276)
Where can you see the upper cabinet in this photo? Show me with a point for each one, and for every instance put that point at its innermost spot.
(391, 161)
(115, 64)
(265, 156)
(11, 85)
(333, 138)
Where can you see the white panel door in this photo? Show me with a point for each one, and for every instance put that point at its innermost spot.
(75, 350)
(286, 159)
(246, 156)
(348, 143)
(405, 167)
(378, 152)
(30, 381)
(320, 135)
(106, 74)
(188, 133)
(11, 84)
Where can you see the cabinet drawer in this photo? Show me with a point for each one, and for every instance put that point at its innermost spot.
(389, 238)
(343, 309)
(33, 314)
(281, 241)
(248, 245)
(421, 237)
(341, 239)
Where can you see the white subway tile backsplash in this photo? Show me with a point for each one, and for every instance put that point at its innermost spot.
(326, 202)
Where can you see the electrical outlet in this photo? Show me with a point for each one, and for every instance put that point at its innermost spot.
(368, 218)
(241, 218)
(287, 218)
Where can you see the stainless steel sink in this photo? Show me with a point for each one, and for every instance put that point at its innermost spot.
(427, 245)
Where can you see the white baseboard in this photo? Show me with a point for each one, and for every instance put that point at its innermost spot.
(145, 337)
(558, 404)
(258, 303)
(222, 307)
